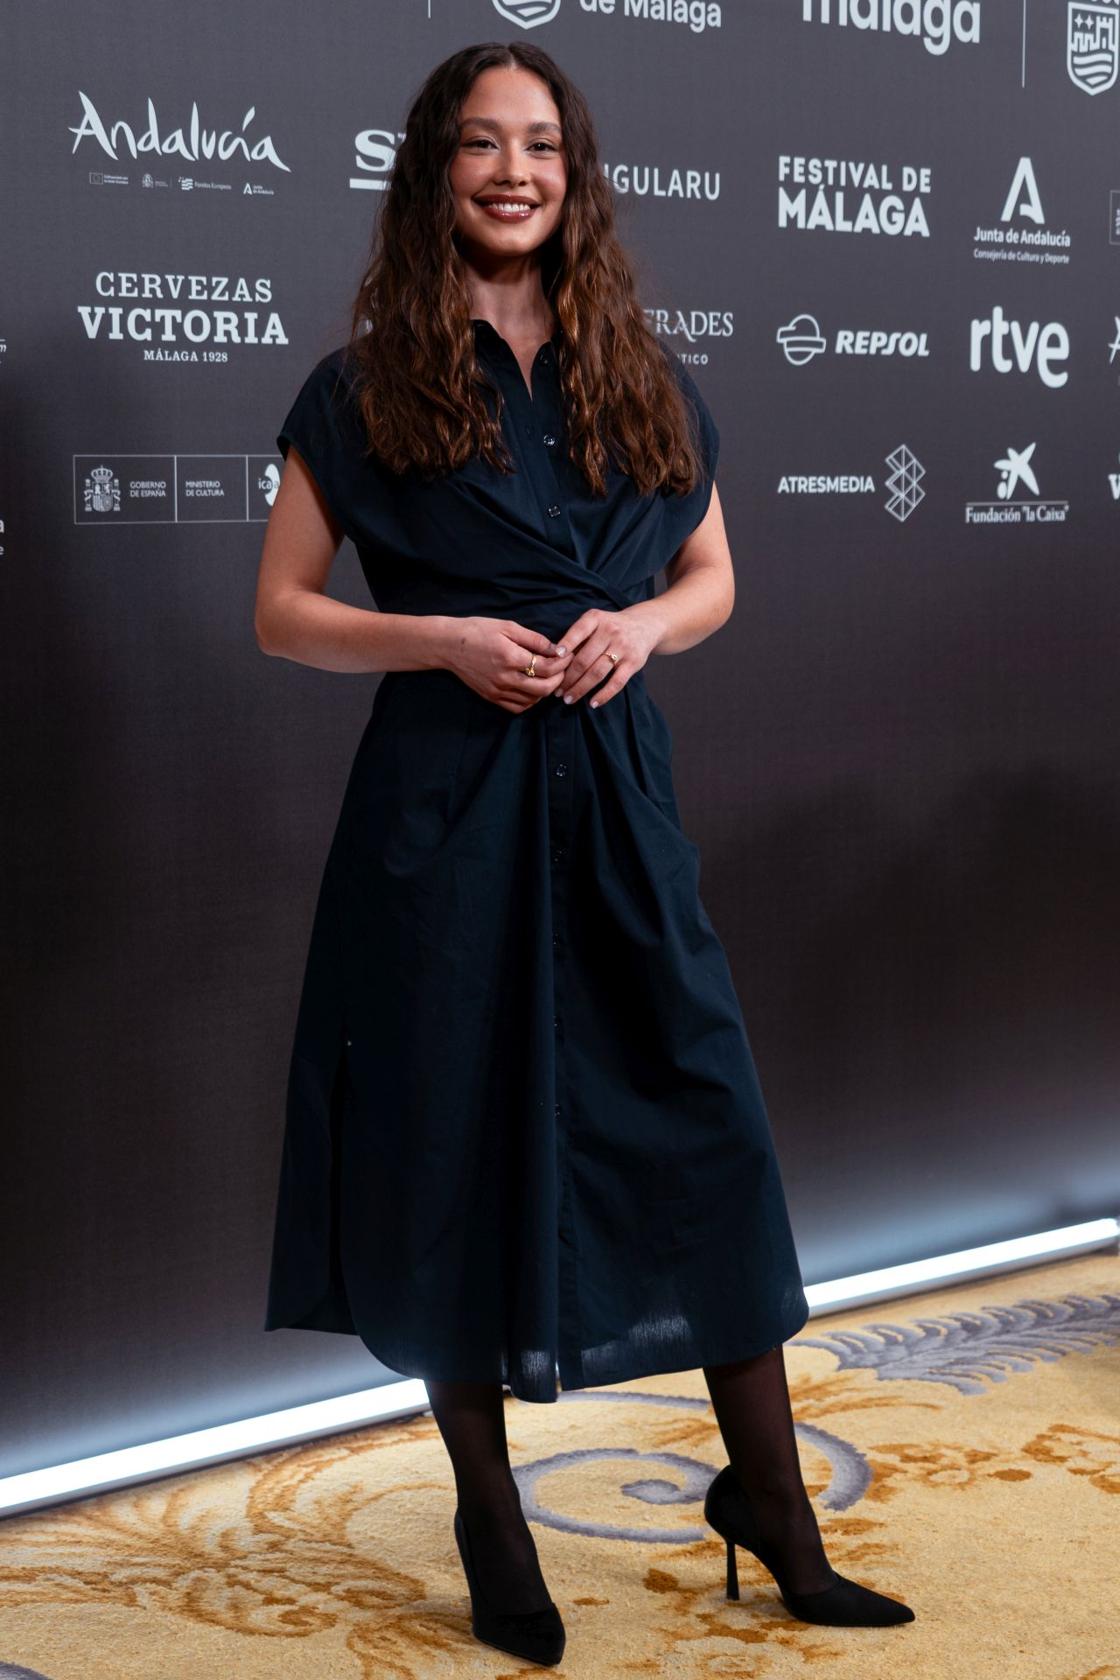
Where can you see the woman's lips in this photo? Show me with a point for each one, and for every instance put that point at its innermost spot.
(502, 213)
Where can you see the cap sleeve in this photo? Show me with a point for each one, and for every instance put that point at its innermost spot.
(326, 429)
(708, 430)
(688, 511)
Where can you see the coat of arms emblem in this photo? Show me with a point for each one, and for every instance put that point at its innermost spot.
(1093, 44)
(102, 491)
(527, 14)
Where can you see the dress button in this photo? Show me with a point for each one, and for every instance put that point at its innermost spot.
(556, 1020)
(558, 854)
(556, 1111)
(549, 439)
(553, 511)
(561, 770)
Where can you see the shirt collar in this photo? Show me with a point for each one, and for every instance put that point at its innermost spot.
(486, 329)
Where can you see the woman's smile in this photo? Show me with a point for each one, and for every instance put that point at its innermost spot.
(508, 209)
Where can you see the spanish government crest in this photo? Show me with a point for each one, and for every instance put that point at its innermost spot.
(1093, 44)
(102, 491)
(526, 14)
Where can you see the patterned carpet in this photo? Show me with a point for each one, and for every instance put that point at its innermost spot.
(962, 1449)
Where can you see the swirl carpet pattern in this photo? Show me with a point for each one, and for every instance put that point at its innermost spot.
(962, 1449)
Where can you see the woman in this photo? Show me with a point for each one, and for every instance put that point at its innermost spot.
(525, 1138)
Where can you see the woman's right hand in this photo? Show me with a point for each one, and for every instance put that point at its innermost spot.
(491, 655)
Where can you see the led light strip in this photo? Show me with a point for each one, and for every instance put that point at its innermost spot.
(916, 1276)
(60, 1482)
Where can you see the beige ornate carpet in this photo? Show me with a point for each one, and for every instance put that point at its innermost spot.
(962, 1449)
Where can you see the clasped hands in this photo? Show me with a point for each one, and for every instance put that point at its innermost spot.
(491, 655)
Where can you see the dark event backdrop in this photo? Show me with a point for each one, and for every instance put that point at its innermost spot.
(886, 240)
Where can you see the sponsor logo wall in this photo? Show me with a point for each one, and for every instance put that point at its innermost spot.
(883, 268)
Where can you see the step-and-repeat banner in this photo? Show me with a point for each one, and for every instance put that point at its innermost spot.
(884, 235)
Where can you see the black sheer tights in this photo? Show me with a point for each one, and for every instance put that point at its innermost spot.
(752, 1407)
(472, 1421)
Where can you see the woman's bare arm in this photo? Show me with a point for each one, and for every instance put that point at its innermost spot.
(295, 619)
(700, 592)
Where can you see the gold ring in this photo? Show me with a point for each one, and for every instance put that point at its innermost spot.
(530, 670)
(613, 657)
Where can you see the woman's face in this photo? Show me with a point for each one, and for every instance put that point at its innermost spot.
(511, 148)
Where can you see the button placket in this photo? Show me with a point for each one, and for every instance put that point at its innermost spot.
(560, 737)
(536, 430)
(536, 417)
(555, 510)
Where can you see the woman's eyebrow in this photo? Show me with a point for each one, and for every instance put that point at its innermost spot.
(530, 128)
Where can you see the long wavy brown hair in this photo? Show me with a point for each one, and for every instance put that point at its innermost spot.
(411, 352)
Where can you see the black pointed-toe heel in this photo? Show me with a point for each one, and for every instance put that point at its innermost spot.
(843, 1604)
(536, 1635)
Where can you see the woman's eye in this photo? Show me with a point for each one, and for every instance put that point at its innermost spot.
(481, 140)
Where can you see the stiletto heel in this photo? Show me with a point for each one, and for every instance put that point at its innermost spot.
(732, 1571)
(843, 1604)
(536, 1635)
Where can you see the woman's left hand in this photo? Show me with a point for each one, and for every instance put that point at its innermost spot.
(632, 633)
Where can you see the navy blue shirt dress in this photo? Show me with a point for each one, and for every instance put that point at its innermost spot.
(525, 1139)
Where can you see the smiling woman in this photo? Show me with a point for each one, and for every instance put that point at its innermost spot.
(525, 1140)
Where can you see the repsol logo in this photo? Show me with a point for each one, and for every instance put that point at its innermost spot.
(881, 343)
(801, 340)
